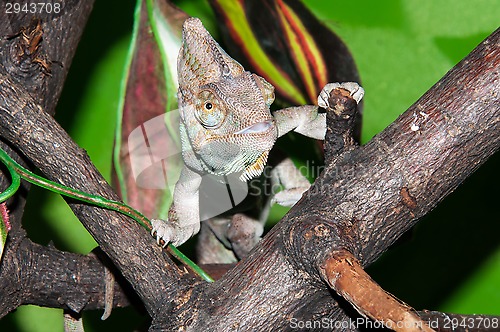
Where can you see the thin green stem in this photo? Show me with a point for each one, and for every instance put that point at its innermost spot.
(14, 186)
(18, 171)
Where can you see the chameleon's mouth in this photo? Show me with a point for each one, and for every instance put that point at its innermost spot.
(260, 127)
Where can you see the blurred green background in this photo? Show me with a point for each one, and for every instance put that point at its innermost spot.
(449, 262)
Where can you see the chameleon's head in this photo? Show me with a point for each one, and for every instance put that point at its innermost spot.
(224, 109)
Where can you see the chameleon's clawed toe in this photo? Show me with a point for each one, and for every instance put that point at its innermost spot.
(172, 232)
(162, 231)
(356, 91)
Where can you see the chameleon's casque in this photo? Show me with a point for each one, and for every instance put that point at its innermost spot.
(225, 118)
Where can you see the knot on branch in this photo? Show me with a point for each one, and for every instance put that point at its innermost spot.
(309, 241)
(25, 59)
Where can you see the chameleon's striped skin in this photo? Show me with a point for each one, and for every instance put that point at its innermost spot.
(226, 125)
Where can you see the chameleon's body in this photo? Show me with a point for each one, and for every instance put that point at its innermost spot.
(226, 126)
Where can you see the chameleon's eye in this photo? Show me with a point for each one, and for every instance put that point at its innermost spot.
(209, 114)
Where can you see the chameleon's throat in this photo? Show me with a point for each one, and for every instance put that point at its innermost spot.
(256, 168)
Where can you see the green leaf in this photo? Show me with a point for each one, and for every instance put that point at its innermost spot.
(148, 93)
(292, 50)
(287, 45)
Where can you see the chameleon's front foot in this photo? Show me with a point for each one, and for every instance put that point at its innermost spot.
(172, 233)
(289, 197)
(356, 91)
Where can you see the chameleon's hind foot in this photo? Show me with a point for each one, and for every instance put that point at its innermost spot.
(289, 197)
(243, 233)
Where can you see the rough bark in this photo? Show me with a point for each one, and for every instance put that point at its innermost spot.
(35, 274)
(40, 66)
(60, 35)
(364, 200)
(36, 53)
(42, 140)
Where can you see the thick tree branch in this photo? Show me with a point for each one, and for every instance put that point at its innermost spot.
(20, 49)
(36, 52)
(45, 276)
(60, 35)
(28, 93)
(24, 123)
(365, 200)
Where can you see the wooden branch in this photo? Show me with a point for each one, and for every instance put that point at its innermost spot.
(363, 202)
(28, 94)
(34, 132)
(57, 37)
(345, 275)
(35, 52)
(76, 281)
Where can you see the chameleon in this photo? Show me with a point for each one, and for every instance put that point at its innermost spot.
(226, 126)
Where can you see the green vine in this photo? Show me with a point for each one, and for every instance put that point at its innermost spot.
(17, 172)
